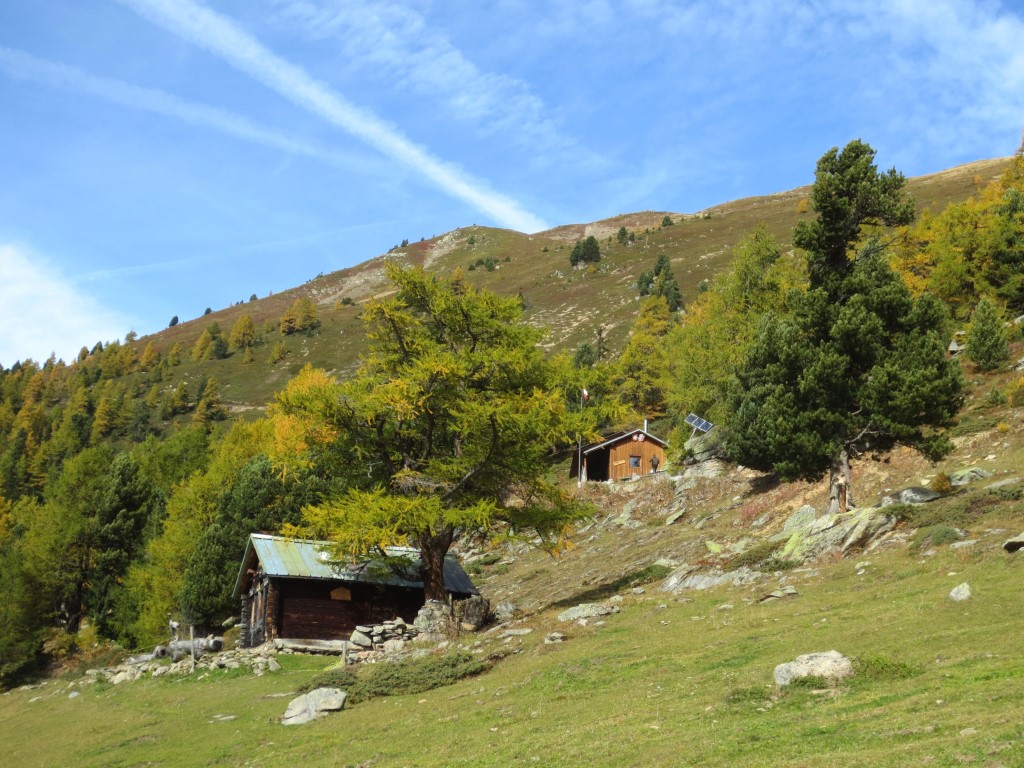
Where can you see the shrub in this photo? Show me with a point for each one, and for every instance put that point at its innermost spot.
(987, 344)
(1015, 393)
(667, 221)
(347, 301)
(415, 675)
(935, 536)
(338, 676)
(941, 483)
(879, 669)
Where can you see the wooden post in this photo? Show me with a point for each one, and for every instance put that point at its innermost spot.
(344, 653)
(192, 650)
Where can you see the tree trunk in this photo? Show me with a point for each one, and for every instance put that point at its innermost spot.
(839, 483)
(432, 553)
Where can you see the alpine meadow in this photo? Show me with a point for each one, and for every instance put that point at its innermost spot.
(659, 455)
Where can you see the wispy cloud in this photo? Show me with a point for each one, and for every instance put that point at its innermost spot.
(21, 65)
(41, 311)
(221, 36)
(397, 44)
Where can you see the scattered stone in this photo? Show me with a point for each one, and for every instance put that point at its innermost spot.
(1014, 544)
(554, 637)
(638, 590)
(675, 516)
(960, 593)
(779, 594)
(725, 607)
(689, 578)
(968, 731)
(273, 666)
(587, 611)
(830, 665)
(74, 694)
(963, 544)
(505, 611)
(520, 632)
(313, 705)
(916, 495)
(1002, 483)
(969, 475)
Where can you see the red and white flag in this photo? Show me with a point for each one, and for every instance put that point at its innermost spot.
(586, 395)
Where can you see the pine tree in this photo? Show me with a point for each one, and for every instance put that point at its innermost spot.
(987, 343)
(210, 407)
(859, 366)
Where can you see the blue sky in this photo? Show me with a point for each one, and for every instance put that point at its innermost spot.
(163, 156)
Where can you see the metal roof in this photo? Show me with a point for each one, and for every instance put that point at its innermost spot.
(306, 559)
(617, 436)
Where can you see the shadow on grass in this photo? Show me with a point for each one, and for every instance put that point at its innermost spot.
(645, 575)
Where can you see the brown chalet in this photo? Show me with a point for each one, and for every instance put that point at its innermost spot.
(620, 456)
(291, 589)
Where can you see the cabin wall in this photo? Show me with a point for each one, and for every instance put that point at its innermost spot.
(309, 612)
(633, 457)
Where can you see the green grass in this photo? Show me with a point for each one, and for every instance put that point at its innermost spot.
(686, 684)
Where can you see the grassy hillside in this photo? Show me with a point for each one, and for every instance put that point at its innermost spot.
(571, 303)
(672, 679)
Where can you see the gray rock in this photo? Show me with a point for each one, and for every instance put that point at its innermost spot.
(801, 518)
(1002, 483)
(705, 446)
(273, 666)
(361, 639)
(505, 611)
(587, 611)
(688, 578)
(434, 622)
(394, 645)
(472, 612)
(520, 632)
(916, 495)
(554, 637)
(1014, 544)
(963, 544)
(830, 665)
(960, 593)
(315, 704)
(675, 516)
(968, 475)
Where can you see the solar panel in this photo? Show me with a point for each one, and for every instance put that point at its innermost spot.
(697, 422)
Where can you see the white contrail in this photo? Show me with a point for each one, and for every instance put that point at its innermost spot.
(19, 64)
(223, 37)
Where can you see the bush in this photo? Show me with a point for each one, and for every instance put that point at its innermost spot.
(941, 484)
(1015, 393)
(761, 556)
(879, 669)
(935, 536)
(400, 678)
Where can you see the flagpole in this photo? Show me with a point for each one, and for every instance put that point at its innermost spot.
(579, 436)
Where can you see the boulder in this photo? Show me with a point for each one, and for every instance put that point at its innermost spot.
(830, 665)
(505, 611)
(687, 577)
(361, 639)
(968, 475)
(960, 592)
(313, 705)
(837, 533)
(800, 519)
(1014, 544)
(472, 612)
(706, 446)
(587, 611)
(916, 495)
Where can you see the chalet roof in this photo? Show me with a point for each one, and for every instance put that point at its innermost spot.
(616, 437)
(307, 559)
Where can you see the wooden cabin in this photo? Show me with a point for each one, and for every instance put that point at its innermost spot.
(291, 589)
(623, 455)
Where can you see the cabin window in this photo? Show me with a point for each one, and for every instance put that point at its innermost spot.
(634, 462)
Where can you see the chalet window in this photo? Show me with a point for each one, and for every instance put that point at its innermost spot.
(634, 462)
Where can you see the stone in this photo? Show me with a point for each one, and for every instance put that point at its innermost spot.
(313, 705)
(394, 645)
(505, 611)
(1002, 483)
(273, 666)
(969, 475)
(830, 665)
(960, 593)
(520, 632)
(472, 612)
(916, 495)
(434, 622)
(963, 544)
(675, 516)
(361, 639)
(703, 447)
(587, 611)
(688, 578)
(800, 519)
(554, 637)
(1014, 544)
